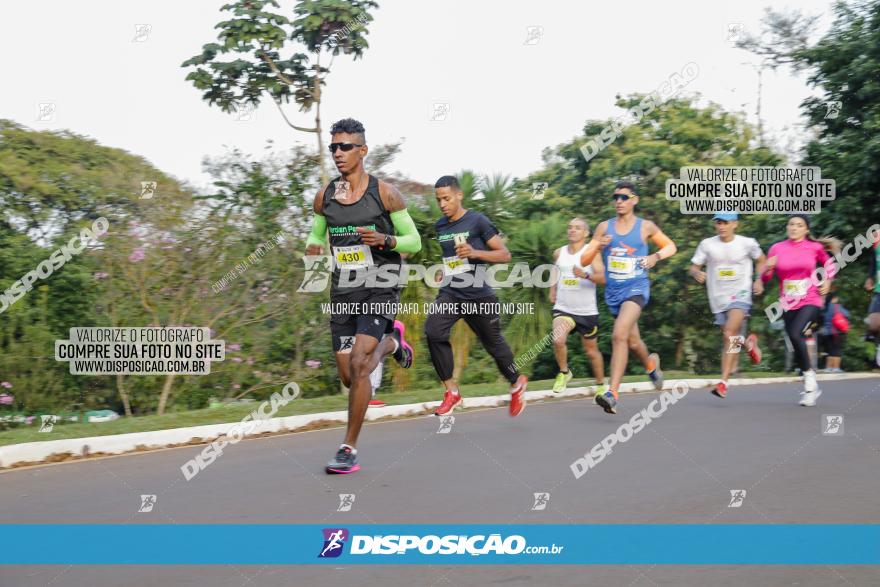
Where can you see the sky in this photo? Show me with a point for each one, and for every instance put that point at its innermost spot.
(508, 93)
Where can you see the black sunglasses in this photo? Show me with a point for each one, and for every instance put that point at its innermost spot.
(346, 147)
(623, 197)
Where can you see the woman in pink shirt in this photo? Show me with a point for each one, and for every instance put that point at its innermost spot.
(794, 261)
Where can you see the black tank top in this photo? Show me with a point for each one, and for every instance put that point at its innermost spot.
(342, 222)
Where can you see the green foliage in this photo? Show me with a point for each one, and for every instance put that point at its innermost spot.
(252, 38)
(337, 26)
(844, 66)
(51, 179)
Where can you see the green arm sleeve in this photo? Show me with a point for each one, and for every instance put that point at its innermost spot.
(318, 236)
(408, 238)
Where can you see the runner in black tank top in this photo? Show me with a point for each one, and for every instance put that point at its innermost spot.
(368, 229)
(343, 221)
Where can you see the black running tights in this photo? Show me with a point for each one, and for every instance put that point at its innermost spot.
(797, 324)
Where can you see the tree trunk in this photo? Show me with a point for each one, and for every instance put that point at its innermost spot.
(166, 391)
(758, 107)
(123, 394)
(679, 347)
(317, 93)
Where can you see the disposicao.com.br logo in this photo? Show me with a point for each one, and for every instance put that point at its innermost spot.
(430, 544)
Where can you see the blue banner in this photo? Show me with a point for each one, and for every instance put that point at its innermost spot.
(446, 544)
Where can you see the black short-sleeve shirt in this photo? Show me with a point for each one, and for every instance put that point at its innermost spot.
(477, 229)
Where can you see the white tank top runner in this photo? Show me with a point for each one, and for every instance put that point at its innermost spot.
(574, 295)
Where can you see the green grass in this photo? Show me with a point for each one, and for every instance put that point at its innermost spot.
(300, 406)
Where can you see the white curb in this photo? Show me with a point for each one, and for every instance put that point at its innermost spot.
(37, 452)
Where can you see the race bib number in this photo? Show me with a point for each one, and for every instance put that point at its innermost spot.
(621, 267)
(796, 288)
(353, 257)
(570, 282)
(726, 273)
(455, 265)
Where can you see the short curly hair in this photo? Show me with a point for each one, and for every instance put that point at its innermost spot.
(349, 126)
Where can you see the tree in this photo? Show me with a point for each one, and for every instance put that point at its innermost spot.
(534, 244)
(52, 184)
(245, 66)
(51, 179)
(844, 120)
(845, 65)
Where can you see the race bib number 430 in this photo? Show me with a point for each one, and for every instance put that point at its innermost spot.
(353, 257)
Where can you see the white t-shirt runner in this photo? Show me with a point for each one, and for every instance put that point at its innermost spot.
(574, 295)
(728, 269)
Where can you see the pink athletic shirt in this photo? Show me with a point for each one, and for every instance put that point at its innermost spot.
(795, 263)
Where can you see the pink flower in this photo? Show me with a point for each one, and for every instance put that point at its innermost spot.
(6, 384)
(312, 363)
(137, 255)
(236, 386)
(6, 399)
(236, 359)
(233, 347)
(250, 361)
(101, 275)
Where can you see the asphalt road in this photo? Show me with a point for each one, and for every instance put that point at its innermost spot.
(680, 469)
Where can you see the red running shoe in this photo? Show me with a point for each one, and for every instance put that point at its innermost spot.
(377, 403)
(752, 348)
(518, 396)
(450, 400)
(720, 390)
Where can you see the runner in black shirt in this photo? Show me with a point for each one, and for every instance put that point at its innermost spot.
(469, 242)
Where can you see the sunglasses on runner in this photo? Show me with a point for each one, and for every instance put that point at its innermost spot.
(346, 147)
(623, 197)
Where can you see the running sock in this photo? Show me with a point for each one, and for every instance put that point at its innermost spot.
(563, 371)
(376, 377)
(397, 345)
(354, 451)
